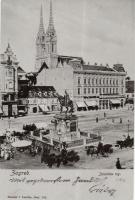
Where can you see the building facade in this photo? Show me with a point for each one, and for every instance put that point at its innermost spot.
(39, 99)
(8, 82)
(90, 86)
(99, 87)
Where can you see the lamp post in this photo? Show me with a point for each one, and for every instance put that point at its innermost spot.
(9, 123)
(128, 127)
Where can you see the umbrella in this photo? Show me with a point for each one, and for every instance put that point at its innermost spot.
(21, 143)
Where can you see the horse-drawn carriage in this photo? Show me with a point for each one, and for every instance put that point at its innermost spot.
(100, 149)
(127, 142)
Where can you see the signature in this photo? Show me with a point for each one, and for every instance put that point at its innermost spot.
(102, 188)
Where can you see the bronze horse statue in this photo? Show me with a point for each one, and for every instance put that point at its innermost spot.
(66, 102)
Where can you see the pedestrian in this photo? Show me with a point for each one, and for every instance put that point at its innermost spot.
(106, 120)
(118, 165)
(97, 119)
(58, 161)
(104, 114)
(112, 120)
(120, 120)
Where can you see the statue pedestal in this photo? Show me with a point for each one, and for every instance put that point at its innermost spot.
(66, 125)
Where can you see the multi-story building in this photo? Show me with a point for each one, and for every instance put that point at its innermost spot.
(8, 82)
(39, 98)
(91, 86)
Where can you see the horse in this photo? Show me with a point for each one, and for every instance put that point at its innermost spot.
(120, 143)
(92, 150)
(65, 102)
(107, 148)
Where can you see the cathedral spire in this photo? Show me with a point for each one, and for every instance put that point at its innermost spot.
(51, 26)
(41, 26)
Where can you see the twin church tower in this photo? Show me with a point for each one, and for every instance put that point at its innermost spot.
(46, 43)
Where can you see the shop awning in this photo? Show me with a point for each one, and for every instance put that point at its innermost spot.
(43, 108)
(91, 103)
(81, 104)
(115, 101)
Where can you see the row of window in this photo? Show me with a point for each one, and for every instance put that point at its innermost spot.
(100, 91)
(100, 81)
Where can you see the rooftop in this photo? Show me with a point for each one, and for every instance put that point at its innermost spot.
(20, 70)
(97, 67)
(62, 58)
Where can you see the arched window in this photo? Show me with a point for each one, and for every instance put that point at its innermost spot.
(89, 81)
(110, 81)
(84, 81)
(78, 90)
(79, 80)
(110, 90)
(93, 81)
(84, 90)
(52, 47)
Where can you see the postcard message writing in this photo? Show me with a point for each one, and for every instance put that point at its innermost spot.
(67, 184)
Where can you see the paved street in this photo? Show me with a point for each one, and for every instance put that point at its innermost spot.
(111, 131)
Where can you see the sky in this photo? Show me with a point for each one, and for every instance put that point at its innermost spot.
(100, 31)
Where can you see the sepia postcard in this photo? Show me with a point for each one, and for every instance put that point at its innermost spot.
(67, 99)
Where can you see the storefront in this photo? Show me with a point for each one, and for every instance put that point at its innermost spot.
(81, 106)
(115, 103)
(9, 109)
(91, 104)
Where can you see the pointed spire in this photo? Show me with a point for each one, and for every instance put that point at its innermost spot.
(8, 49)
(41, 26)
(8, 45)
(51, 26)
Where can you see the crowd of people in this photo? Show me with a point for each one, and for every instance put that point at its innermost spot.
(6, 151)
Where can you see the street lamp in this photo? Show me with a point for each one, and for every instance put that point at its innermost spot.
(128, 127)
(9, 123)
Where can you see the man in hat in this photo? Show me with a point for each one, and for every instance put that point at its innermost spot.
(118, 165)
